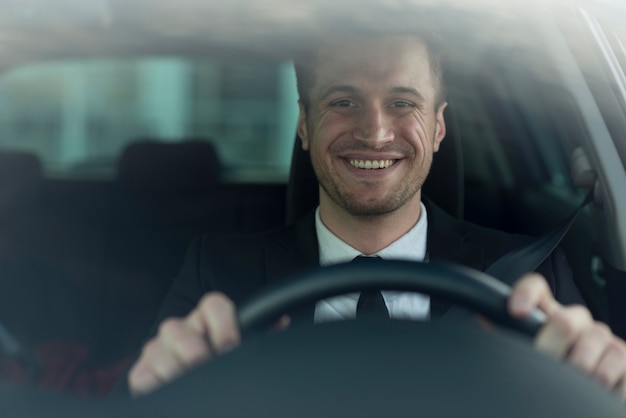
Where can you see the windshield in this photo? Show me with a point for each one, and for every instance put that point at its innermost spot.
(136, 135)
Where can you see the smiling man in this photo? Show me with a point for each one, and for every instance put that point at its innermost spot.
(372, 121)
(371, 116)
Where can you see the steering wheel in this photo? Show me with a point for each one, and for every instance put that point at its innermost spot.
(462, 285)
(370, 368)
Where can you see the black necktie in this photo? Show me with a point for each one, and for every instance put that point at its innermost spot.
(371, 303)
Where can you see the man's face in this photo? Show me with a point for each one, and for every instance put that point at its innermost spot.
(372, 124)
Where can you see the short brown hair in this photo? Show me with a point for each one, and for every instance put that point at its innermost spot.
(435, 46)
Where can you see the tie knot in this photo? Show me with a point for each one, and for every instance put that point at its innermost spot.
(366, 259)
(371, 302)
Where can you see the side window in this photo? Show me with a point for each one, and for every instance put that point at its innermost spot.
(78, 117)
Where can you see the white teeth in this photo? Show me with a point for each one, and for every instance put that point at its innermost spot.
(371, 164)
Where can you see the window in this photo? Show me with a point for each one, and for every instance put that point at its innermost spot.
(78, 117)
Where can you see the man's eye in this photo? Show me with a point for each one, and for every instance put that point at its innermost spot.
(402, 104)
(342, 103)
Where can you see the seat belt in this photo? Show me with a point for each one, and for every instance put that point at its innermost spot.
(512, 265)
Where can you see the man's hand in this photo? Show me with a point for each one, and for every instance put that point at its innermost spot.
(181, 344)
(571, 333)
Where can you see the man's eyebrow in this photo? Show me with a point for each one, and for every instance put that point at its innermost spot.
(353, 90)
(409, 90)
(339, 88)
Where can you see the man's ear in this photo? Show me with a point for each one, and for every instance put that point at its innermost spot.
(440, 126)
(302, 127)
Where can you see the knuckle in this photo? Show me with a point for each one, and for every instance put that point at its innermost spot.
(219, 312)
(222, 301)
(572, 319)
(215, 301)
(194, 351)
(564, 322)
(225, 336)
(150, 350)
(534, 282)
(580, 312)
(613, 366)
(196, 356)
(618, 349)
(602, 331)
(604, 376)
(169, 326)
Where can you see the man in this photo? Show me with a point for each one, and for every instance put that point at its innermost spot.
(371, 116)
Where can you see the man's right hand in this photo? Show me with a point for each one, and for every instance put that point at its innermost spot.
(183, 343)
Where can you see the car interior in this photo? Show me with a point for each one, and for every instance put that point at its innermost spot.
(85, 260)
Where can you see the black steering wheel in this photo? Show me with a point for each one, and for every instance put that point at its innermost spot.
(370, 368)
(389, 368)
(462, 285)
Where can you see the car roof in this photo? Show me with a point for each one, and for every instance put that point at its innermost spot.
(46, 29)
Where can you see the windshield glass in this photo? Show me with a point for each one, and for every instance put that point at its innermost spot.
(149, 143)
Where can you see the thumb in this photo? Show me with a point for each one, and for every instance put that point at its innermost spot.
(529, 293)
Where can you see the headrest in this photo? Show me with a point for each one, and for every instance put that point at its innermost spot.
(151, 167)
(20, 178)
(444, 185)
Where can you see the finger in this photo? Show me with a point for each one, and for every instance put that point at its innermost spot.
(562, 330)
(216, 319)
(142, 380)
(611, 369)
(590, 347)
(155, 367)
(175, 350)
(185, 344)
(529, 293)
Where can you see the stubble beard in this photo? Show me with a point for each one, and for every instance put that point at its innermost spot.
(398, 198)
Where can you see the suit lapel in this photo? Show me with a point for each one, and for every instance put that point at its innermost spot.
(447, 242)
(295, 250)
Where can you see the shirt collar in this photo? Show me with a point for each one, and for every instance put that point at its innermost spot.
(411, 246)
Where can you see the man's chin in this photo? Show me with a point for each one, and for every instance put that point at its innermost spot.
(371, 209)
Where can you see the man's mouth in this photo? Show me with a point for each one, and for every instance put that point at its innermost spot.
(371, 164)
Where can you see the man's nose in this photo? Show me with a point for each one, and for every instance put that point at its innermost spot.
(373, 127)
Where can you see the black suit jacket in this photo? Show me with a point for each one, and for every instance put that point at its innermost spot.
(239, 266)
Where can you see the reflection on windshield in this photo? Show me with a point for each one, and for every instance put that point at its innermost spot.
(78, 117)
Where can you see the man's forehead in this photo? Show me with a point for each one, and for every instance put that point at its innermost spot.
(392, 61)
(366, 46)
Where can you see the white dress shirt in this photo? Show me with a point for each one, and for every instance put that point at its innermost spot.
(406, 305)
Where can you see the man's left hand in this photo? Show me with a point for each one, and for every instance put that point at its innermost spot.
(571, 333)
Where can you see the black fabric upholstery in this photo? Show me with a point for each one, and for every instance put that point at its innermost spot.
(444, 185)
(190, 167)
(20, 179)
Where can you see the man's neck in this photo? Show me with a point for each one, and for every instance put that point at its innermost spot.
(370, 234)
